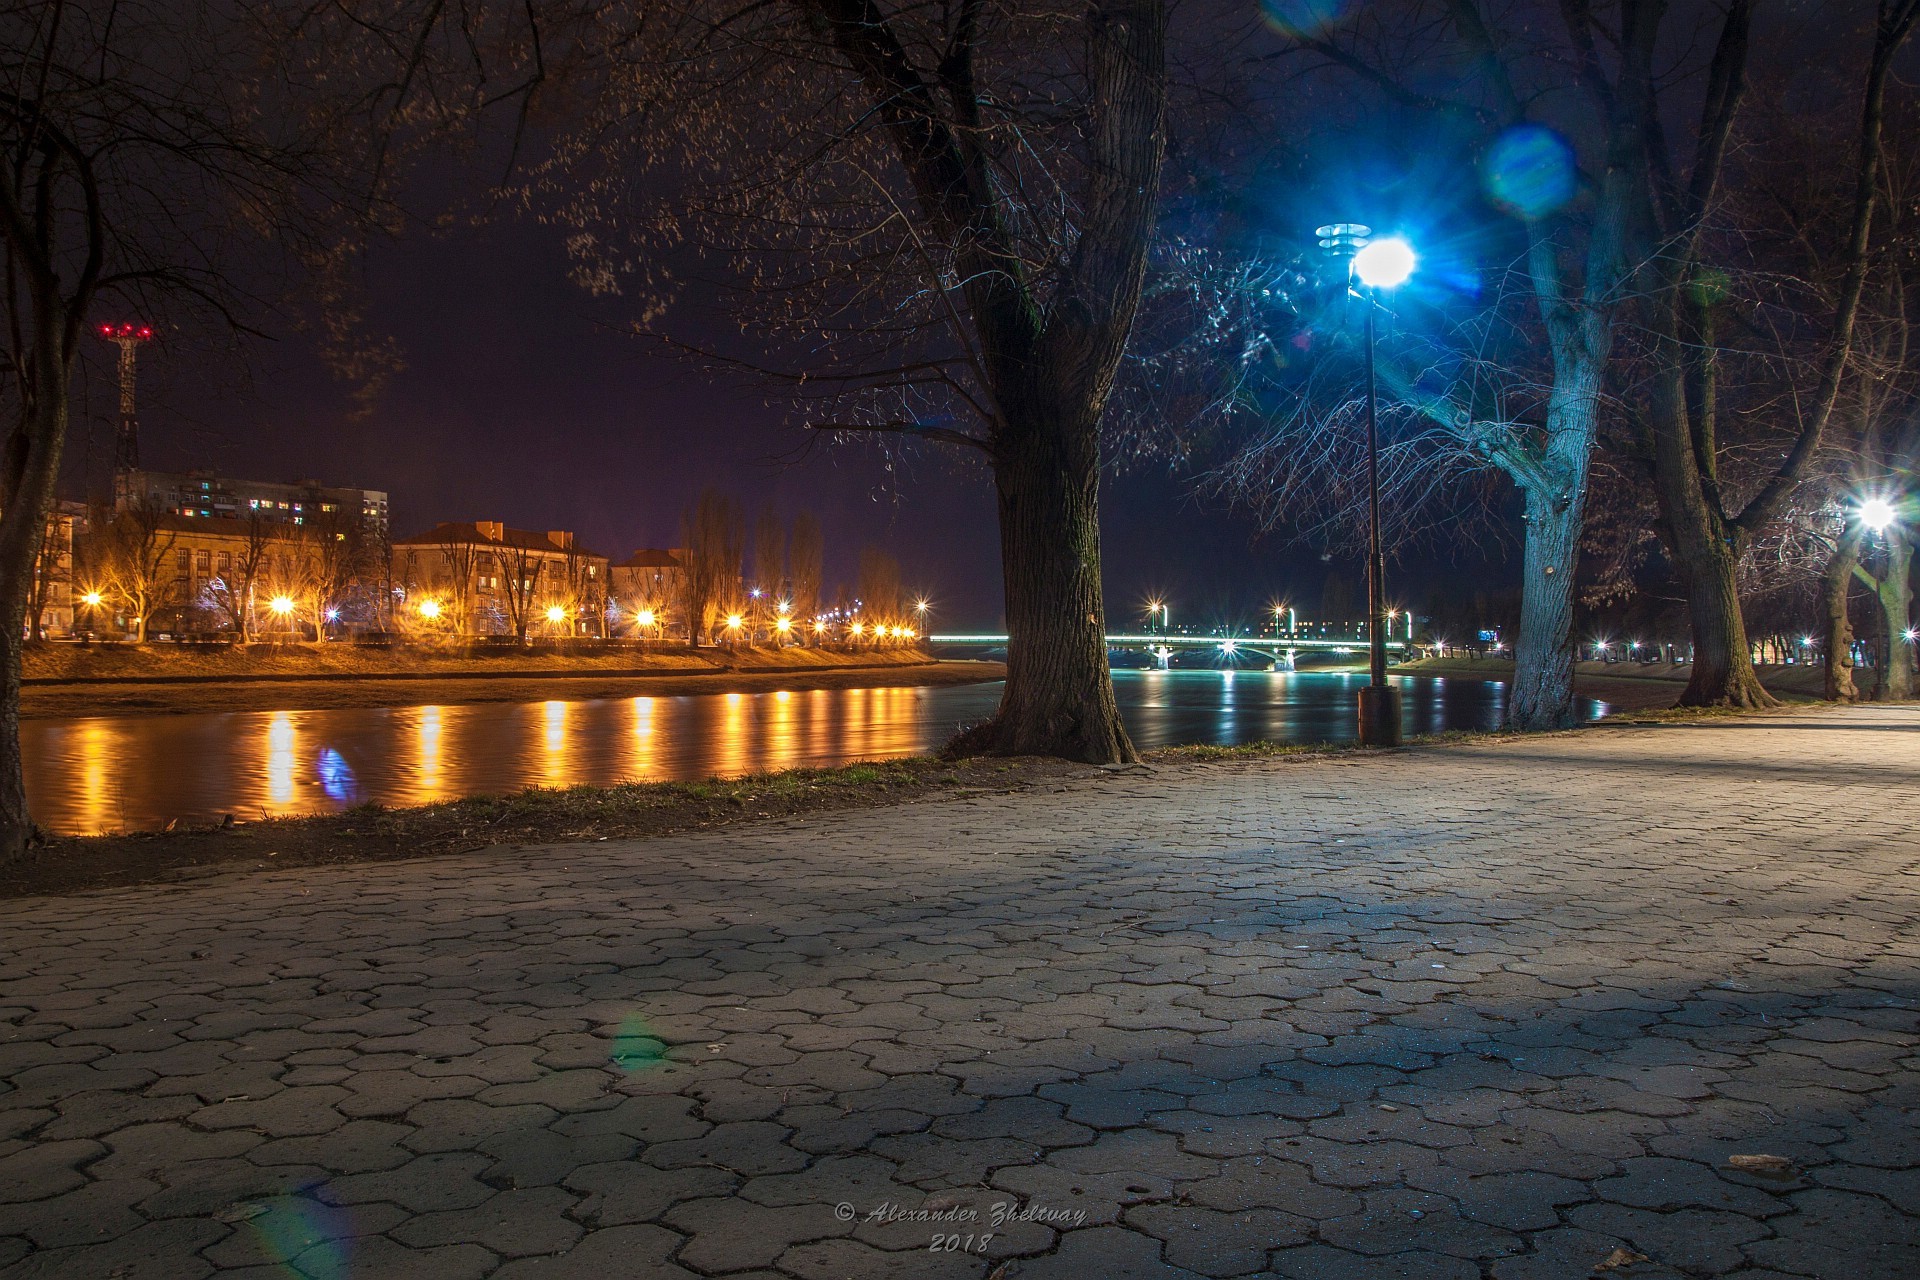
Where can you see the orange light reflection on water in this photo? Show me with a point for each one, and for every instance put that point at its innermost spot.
(427, 742)
(280, 760)
(553, 738)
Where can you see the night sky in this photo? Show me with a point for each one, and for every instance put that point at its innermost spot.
(522, 402)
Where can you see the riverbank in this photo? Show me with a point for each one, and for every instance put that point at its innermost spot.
(583, 815)
(67, 680)
(1623, 686)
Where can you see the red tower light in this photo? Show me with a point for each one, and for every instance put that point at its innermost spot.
(127, 337)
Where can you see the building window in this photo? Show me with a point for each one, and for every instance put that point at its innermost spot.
(204, 562)
(182, 562)
(226, 561)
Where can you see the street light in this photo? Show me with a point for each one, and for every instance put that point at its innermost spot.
(1876, 514)
(1377, 265)
(430, 609)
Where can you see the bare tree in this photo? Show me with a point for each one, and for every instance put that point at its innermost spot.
(1686, 319)
(940, 212)
(519, 571)
(878, 586)
(714, 535)
(152, 147)
(134, 546)
(51, 568)
(583, 592)
(1557, 112)
(235, 589)
(459, 558)
(341, 558)
(806, 566)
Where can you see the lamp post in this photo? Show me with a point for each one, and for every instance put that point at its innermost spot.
(1377, 265)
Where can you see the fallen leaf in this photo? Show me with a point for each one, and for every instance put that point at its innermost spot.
(239, 1212)
(1767, 1166)
(1619, 1258)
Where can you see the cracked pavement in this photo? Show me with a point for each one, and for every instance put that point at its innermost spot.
(1501, 1009)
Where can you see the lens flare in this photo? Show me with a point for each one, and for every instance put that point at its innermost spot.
(635, 1047)
(1305, 17)
(1529, 171)
(303, 1234)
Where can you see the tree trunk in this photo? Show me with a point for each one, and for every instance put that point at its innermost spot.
(1723, 674)
(1834, 584)
(32, 462)
(1058, 699)
(16, 824)
(1895, 592)
(1543, 652)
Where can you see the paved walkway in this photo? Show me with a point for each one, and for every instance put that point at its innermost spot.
(1496, 1010)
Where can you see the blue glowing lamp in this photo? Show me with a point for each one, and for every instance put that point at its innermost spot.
(1384, 264)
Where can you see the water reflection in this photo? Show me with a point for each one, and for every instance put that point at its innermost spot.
(280, 760)
(101, 774)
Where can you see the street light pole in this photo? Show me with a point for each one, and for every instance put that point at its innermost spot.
(1375, 265)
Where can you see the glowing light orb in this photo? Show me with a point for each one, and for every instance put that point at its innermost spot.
(644, 617)
(282, 605)
(429, 609)
(1529, 171)
(1876, 514)
(556, 614)
(92, 599)
(733, 621)
(1384, 264)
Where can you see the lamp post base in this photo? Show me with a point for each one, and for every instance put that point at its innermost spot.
(1379, 716)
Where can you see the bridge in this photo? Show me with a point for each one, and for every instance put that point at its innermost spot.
(1281, 649)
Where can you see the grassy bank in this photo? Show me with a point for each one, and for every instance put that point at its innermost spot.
(67, 680)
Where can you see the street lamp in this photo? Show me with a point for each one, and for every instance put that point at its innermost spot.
(1876, 514)
(1376, 265)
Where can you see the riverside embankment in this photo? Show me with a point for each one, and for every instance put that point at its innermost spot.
(1623, 686)
(119, 680)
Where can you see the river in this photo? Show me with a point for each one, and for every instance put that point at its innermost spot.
(126, 773)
